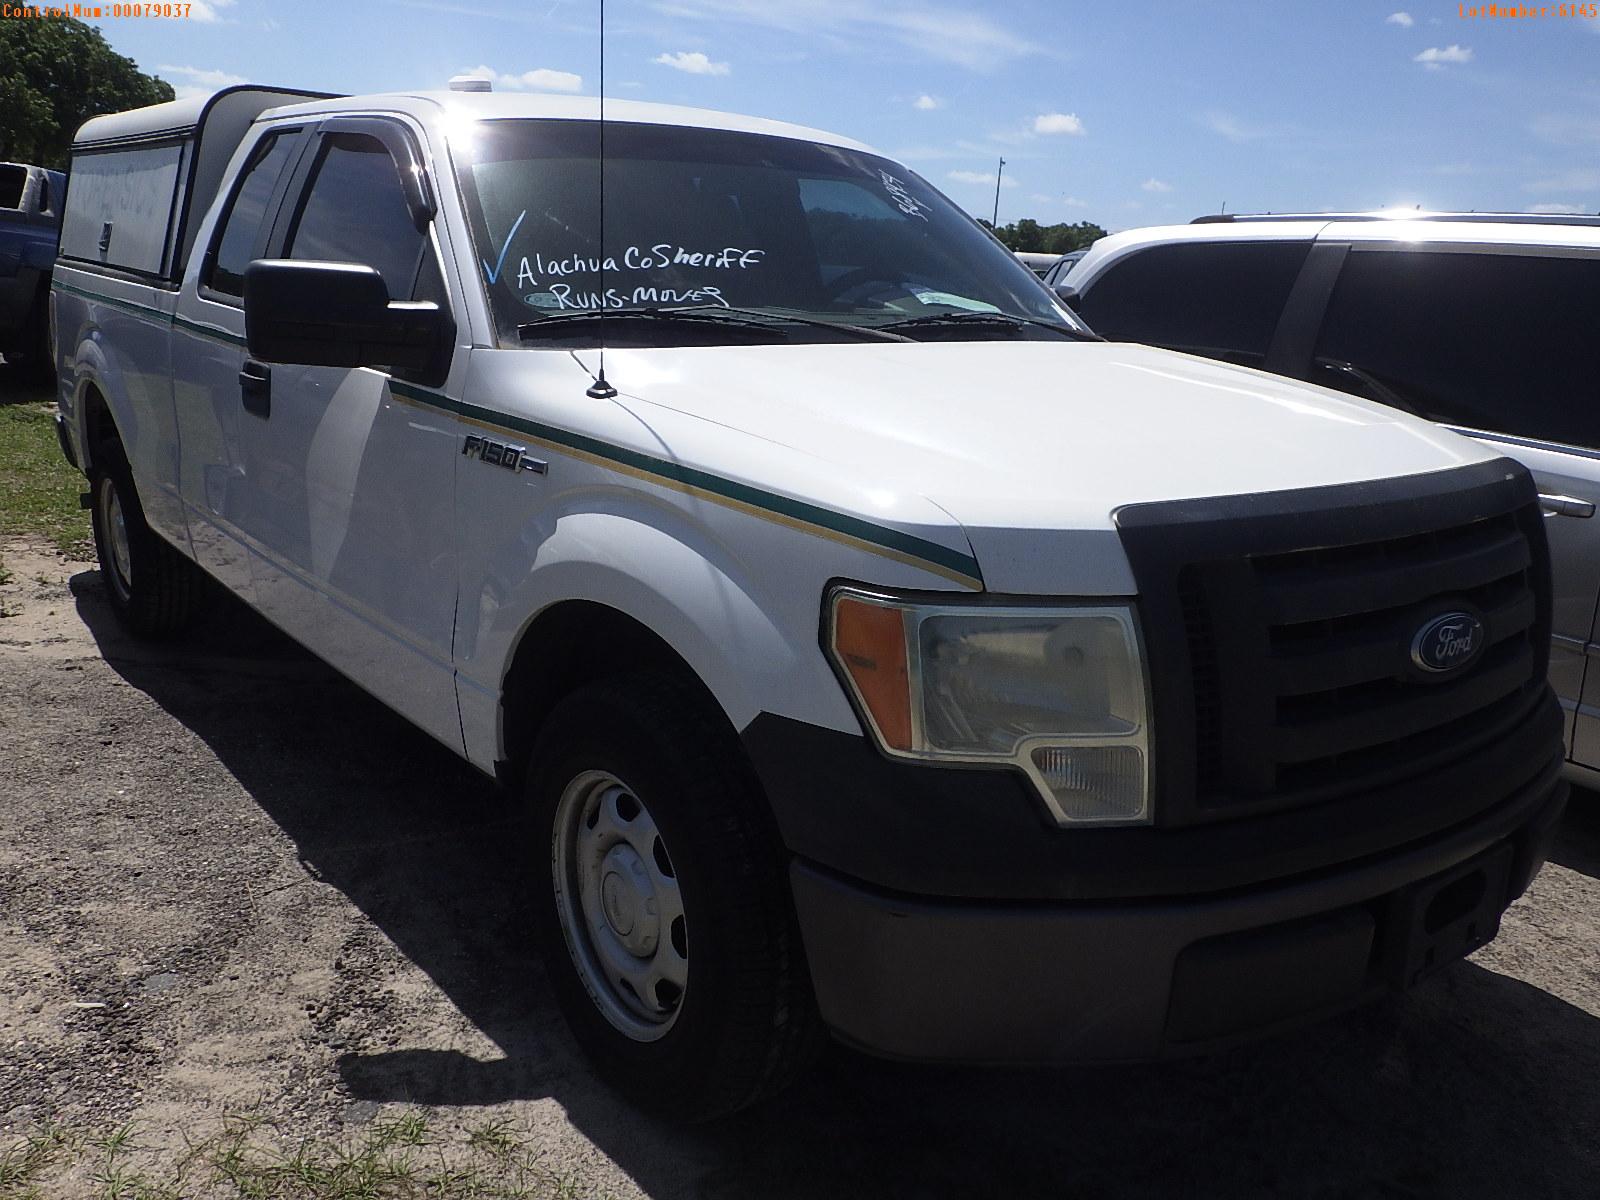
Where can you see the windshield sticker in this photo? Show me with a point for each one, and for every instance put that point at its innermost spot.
(951, 300)
(639, 258)
(903, 200)
(539, 274)
(494, 272)
(561, 298)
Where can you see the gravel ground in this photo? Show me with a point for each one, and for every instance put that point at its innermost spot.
(230, 880)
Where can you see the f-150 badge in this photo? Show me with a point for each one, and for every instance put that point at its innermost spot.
(499, 454)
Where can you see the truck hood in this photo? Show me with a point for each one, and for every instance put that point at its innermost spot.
(1032, 446)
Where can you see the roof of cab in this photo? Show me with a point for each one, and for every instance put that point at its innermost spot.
(492, 106)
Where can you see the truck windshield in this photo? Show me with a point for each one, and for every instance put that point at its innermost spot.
(823, 243)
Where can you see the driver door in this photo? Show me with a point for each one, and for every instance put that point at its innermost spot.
(352, 471)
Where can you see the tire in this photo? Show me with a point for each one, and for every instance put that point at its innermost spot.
(154, 590)
(38, 364)
(689, 870)
(30, 356)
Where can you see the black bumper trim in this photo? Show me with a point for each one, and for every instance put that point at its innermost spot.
(981, 833)
(1004, 982)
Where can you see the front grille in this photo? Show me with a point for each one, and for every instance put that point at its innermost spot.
(1295, 629)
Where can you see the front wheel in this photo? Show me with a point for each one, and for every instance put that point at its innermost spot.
(154, 590)
(663, 902)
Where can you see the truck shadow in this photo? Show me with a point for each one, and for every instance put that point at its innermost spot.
(1475, 1085)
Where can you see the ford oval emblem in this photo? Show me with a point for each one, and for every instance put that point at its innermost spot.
(1448, 643)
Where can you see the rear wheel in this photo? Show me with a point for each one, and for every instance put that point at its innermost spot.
(663, 903)
(154, 590)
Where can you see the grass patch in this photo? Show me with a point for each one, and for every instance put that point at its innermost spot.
(248, 1158)
(38, 489)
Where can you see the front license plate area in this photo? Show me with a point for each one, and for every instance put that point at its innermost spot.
(1447, 917)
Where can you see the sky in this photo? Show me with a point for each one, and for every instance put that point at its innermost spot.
(1121, 114)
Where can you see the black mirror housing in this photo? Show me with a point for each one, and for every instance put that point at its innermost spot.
(331, 314)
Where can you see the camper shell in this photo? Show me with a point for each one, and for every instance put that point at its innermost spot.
(142, 180)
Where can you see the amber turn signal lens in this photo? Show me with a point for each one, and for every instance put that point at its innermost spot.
(869, 642)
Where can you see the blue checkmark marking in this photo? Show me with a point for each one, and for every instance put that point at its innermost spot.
(494, 274)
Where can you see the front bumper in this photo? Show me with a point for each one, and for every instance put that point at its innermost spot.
(1108, 981)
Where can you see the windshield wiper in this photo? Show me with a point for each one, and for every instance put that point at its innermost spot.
(623, 319)
(995, 320)
(752, 320)
(1376, 388)
(768, 316)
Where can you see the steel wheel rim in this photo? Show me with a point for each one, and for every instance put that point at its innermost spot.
(116, 535)
(619, 905)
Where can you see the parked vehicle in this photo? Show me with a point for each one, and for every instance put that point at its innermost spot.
(874, 650)
(1037, 262)
(1479, 321)
(1057, 273)
(30, 220)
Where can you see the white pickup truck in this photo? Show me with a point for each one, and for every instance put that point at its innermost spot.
(875, 651)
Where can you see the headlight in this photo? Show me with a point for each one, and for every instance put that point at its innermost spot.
(1056, 692)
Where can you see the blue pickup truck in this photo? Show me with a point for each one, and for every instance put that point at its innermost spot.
(30, 225)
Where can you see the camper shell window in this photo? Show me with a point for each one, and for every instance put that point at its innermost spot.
(123, 206)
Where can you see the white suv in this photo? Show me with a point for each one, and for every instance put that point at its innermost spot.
(1482, 322)
(872, 649)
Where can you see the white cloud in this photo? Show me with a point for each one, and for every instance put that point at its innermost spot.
(927, 103)
(1562, 209)
(1562, 129)
(1231, 127)
(1403, 19)
(692, 63)
(206, 10)
(203, 77)
(1435, 58)
(936, 31)
(1156, 185)
(983, 177)
(541, 79)
(1585, 180)
(201, 81)
(1074, 202)
(1057, 123)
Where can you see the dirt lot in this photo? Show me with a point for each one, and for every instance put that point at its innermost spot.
(229, 881)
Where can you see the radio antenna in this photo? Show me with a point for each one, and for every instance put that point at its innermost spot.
(600, 389)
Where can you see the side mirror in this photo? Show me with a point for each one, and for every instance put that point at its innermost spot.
(330, 314)
(1068, 295)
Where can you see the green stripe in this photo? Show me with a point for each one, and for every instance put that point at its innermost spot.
(741, 493)
(209, 331)
(161, 315)
(140, 310)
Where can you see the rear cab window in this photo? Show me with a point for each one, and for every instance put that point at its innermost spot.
(241, 233)
(13, 182)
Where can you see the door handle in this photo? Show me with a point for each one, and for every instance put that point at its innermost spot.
(255, 388)
(1566, 506)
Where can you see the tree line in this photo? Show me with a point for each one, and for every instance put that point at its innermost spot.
(56, 73)
(1028, 235)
